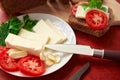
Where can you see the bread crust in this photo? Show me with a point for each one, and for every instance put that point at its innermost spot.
(81, 25)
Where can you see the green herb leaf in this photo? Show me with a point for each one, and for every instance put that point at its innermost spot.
(96, 4)
(28, 23)
(14, 25)
(85, 6)
(92, 3)
(4, 31)
(104, 9)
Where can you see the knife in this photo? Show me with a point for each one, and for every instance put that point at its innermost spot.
(80, 72)
(85, 50)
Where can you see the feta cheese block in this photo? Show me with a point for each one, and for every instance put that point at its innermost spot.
(40, 38)
(42, 28)
(80, 13)
(17, 42)
(57, 31)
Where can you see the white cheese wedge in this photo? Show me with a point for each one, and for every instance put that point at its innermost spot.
(42, 39)
(42, 28)
(57, 31)
(17, 42)
(80, 13)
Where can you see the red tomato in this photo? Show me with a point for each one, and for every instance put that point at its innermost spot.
(6, 62)
(96, 19)
(31, 65)
(2, 48)
(74, 8)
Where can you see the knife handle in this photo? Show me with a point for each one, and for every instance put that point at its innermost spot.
(113, 55)
(107, 54)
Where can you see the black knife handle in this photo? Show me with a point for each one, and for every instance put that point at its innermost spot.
(113, 55)
(107, 54)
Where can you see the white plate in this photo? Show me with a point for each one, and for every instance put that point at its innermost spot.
(65, 28)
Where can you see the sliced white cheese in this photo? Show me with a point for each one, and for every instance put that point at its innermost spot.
(15, 53)
(42, 39)
(57, 31)
(80, 13)
(51, 59)
(17, 42)
(42, 28)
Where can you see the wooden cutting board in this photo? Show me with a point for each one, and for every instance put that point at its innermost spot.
(63, 11)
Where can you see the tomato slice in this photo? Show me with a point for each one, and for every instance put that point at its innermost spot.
(96, 19)
(2, 48)
(74, 8)
(31, 65)
(6, 62)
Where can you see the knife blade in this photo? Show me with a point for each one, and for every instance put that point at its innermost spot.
(85, 50)
(77, 49)
(80, 72)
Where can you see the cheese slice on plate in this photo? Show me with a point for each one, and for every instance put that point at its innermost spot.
(17, 42)
(15, 53)
(42, 28)
(57, 31)
(40, 38)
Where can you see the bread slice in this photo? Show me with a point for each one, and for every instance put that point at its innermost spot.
(81, 25)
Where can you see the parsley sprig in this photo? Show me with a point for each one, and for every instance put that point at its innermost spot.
(94, 4)
(14, 25)
(28, 23)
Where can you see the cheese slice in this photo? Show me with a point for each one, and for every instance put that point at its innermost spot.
(80, 13)
(57, 31)
(17, 42)
(42, 28)
(15, 53)
(40, 38)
